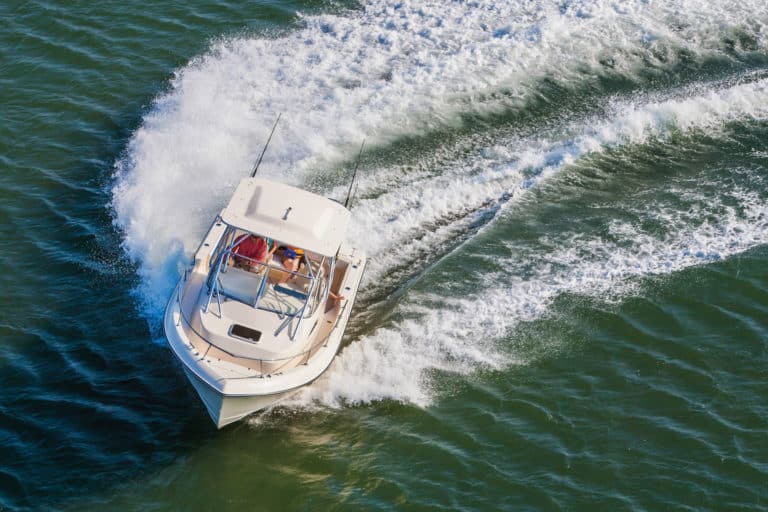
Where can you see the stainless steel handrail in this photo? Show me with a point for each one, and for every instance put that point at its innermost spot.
(233, 254)
(223, 260)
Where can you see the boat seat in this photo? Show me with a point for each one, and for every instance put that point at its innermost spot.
(240, 284)
(284, 298)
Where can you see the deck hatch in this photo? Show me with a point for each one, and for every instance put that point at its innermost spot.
(245, 333)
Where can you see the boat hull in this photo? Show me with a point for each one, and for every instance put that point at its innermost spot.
(224, 409)
(252, 394)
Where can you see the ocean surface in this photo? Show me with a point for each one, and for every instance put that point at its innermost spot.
(566, 208)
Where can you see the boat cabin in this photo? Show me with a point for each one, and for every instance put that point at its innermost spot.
(287, 280)
(269, 264)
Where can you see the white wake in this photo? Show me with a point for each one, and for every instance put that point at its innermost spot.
(391, 69)
(403, 68)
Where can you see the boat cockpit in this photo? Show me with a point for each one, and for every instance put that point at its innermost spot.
(270, 276)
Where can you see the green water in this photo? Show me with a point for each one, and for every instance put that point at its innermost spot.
(565, 206)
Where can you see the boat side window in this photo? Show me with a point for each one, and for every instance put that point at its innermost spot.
(318, 292)
(317, 295)
(224, 243)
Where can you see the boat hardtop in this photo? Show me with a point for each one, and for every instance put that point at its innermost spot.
(289, 214)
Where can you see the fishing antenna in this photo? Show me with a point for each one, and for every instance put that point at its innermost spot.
(258, 163)
(354, 174)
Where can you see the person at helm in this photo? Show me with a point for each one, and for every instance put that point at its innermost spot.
(250, 250)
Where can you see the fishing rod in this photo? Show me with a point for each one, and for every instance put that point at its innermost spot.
(258, 163)
(354, 174)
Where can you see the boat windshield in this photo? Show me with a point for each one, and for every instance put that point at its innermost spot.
(267, 274)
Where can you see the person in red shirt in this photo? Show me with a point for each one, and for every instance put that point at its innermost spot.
(254, 248)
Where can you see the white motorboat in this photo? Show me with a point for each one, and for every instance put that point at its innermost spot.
(250, 330)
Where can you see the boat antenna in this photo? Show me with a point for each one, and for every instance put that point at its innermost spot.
(258, 163)
(354, 174)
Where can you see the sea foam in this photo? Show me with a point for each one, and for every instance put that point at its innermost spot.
(399, 225)
(462, 334)
(396, 69)
(391, 69)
